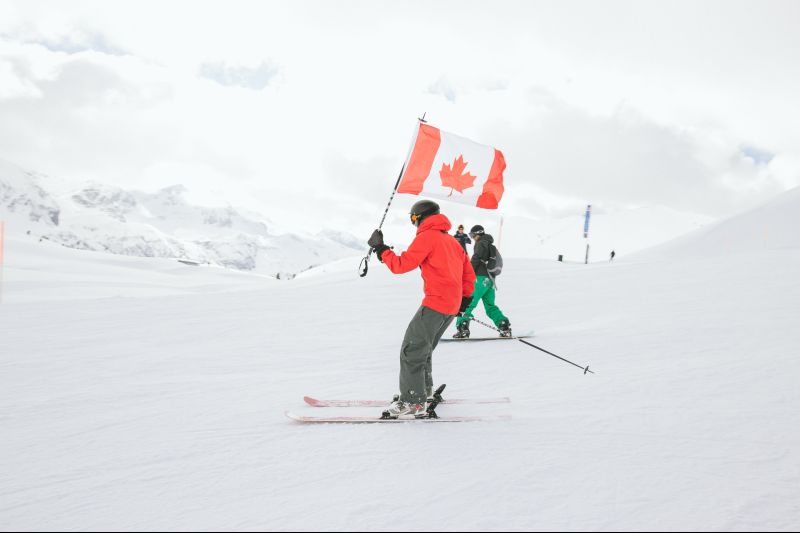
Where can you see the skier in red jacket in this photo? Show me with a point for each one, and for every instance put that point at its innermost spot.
(448, 284)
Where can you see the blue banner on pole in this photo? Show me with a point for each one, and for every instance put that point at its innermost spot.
(586, 222)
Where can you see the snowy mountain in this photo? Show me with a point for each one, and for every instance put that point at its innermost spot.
(104, 218)
(22, 199)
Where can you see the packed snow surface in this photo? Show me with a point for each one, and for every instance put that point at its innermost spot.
(146, 394)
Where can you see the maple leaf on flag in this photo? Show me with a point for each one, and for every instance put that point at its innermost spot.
(455, 177)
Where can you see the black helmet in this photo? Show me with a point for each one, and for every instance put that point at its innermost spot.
(422, 210)
(477, 230)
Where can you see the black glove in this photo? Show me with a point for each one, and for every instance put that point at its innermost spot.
(465, 301)
(376, 239)
(379, 251)
(376, 244)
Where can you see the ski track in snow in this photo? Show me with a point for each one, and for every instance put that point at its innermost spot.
(139, 395)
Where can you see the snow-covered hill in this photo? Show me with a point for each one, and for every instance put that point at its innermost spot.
(109, 219)
(624, 230)
(769, 227)
(23, 200)
(141, 394)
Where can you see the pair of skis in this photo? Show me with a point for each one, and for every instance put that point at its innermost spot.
(314, 402)
(482, 339)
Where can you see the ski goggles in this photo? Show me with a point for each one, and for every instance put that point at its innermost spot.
(414, 217)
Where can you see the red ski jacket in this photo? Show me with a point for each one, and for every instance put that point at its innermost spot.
(446, 269)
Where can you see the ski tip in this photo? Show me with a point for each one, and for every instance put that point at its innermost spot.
(298, 418)
(311, 401)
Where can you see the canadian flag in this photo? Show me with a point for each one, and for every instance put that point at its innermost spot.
(443, 165)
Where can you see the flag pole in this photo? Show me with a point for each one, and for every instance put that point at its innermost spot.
(364, 267)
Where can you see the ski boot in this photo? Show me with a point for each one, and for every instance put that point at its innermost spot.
(505, 328)
(463, 330)
(401, 409)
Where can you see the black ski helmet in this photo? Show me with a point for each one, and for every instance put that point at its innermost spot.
(477, 230)
(422, 210)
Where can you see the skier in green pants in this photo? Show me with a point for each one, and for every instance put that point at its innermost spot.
(484, 287)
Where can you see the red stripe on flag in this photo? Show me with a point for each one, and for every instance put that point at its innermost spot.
(493, 188)
(421, 160)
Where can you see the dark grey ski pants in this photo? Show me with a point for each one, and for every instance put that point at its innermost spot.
(416, 367)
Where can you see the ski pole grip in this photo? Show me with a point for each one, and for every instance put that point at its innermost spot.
(365, 264)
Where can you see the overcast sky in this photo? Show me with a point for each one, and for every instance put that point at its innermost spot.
(304, 110)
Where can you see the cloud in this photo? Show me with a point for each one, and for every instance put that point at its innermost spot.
(627, 158)
(443, 87)
(255, 78)
(759, 156)
(82, 41)
(586, 110)
(84, 83)
(72, 40)
(13, 83)
(370, 180)
(84, 116)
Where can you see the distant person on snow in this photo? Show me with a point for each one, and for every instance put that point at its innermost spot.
(462, 238)
(612, 256)
(484, 286)
(449, 280)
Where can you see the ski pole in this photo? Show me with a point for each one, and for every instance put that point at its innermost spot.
(585, 369)
(365, 262)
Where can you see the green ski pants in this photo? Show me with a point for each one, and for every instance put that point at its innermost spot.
(484, 290)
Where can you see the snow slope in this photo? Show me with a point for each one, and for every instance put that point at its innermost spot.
(163, 408)
(623, 230)
(769, 227)
(45, 271)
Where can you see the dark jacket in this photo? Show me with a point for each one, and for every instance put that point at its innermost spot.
(481, 253)
(463, 239)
